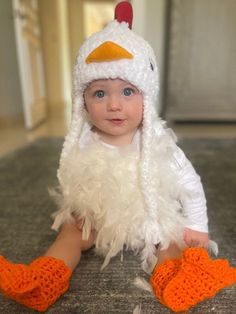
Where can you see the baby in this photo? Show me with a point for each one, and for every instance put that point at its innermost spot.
(123, 182)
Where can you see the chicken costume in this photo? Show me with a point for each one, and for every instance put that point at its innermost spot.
(137, 196)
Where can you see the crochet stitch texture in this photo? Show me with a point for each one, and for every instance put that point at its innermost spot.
(37, 285)
(181, 284)
(162, 275)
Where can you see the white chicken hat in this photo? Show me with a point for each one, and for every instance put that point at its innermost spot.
(117, 52)
(114, 52)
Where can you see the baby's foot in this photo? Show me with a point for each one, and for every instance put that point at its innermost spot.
(37, 285)
(199, 278)
(161, 276)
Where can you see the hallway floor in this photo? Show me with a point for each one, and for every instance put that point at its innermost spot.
(25, 222)
(14, 135)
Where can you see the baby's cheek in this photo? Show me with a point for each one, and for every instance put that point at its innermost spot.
(138, 116)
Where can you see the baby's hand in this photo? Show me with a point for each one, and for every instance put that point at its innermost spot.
(196, 238)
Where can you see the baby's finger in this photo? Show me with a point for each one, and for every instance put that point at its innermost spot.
(205, 245)
(188, 242)
(196, 244)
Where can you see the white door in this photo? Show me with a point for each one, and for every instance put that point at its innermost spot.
(29, 51)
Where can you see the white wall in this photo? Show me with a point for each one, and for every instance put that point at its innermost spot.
(149, 22)
(10, 91)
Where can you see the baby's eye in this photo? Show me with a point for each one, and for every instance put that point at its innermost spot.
(99, 93)
(128, 91)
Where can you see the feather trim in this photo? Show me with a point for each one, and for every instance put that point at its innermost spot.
(101, 186)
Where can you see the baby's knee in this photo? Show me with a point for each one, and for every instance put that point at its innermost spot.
(87, 244)
(70, 232)
(73, 233)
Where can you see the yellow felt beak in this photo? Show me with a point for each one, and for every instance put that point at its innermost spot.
(108, 51)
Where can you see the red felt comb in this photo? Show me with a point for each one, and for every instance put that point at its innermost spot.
(124, 13)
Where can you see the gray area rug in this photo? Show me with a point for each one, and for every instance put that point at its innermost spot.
(25, 233)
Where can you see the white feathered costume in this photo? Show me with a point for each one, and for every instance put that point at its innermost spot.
(139, 195)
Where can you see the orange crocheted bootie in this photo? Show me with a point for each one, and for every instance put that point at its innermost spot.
(161, 276)
(37, 285)
(198, 278)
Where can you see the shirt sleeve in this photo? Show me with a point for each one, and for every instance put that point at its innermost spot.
(194, 201)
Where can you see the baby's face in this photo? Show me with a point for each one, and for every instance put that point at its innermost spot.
(115, 108)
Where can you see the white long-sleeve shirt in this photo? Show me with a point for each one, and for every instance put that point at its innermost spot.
(194, 205)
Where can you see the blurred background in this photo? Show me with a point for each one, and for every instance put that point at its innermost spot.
(195, 45)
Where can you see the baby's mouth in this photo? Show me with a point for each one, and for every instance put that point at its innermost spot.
(117, 121)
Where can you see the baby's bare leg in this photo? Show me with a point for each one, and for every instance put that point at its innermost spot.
(173, 251)
(39, 284)
(69, 244)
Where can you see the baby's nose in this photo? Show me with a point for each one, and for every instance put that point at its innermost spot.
(114, 104)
